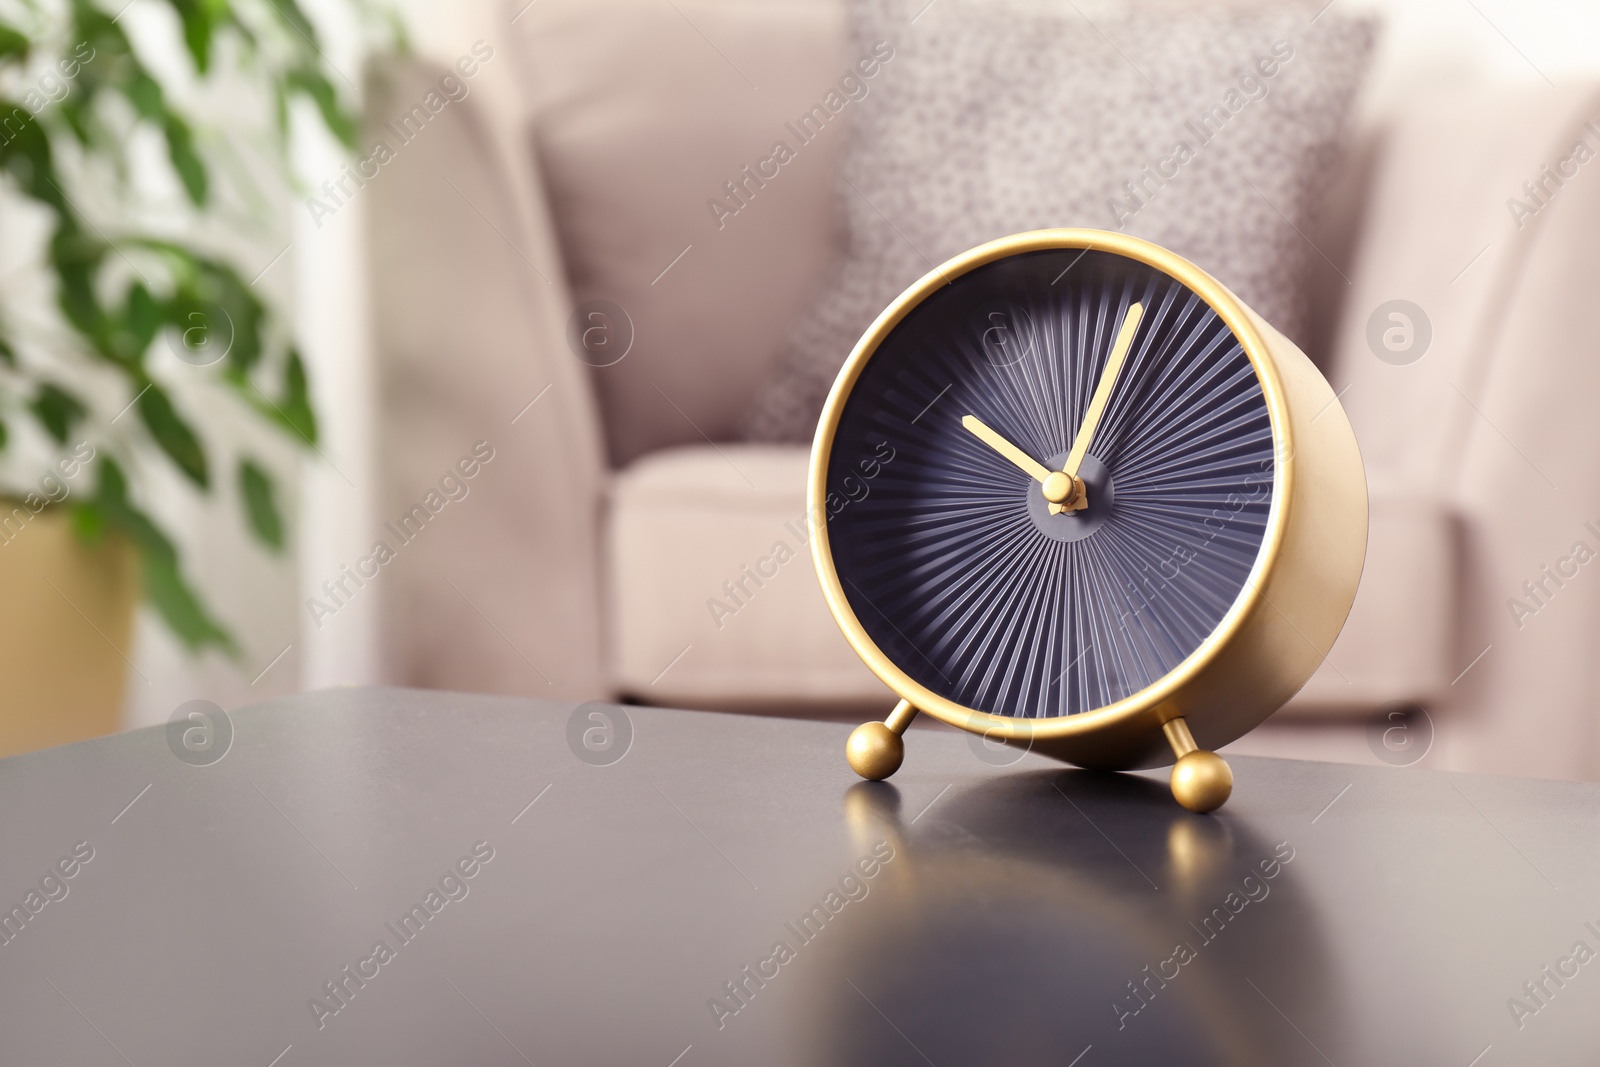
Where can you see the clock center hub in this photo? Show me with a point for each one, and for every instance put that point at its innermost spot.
(1058, 488)
(1072, 525)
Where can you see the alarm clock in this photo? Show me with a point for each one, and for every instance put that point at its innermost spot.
(1068, 492)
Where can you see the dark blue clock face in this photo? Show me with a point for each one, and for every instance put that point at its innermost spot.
(945, 543)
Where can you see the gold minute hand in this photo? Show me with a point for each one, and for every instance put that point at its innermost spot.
(1097, 408)
(1034, 469)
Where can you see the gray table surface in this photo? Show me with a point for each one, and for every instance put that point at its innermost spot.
(980, 914)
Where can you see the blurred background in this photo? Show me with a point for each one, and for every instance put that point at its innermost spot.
(475, 346)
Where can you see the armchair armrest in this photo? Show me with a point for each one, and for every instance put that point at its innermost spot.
(1483, 234)
(494, 585)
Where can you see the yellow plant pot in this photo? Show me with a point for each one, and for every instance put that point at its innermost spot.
(64, 631)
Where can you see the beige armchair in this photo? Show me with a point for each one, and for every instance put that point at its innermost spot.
(623, 544)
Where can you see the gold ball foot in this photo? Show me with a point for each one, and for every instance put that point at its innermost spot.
(1201, 781)
(874, 751)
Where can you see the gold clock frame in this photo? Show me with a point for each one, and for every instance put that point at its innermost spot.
(1272, 638)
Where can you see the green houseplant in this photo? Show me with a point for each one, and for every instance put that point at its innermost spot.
(74, 94)
(93, 421)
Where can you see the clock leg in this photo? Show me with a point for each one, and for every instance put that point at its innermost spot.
(875, 749)
(1201, 780)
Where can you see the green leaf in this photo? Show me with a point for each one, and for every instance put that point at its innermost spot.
(394, 26)
(89, 521)
(26, 154)
(280, 108)
(199, 24)
(76, 257)
(296, 403)
(292, 411)
(8, 355)
(13, 42)
(174, 435)
(247, 316)
(144, 93)
(205, 285)
(143, 318)
(80, 119)
(110, 509)
(180, 149)
(289, 12)
(310, 81)
(260, 504)
(57, 410)
(180, 608)
(5, 435)
(91, 24)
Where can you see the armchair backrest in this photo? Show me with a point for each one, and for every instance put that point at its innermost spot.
(658, 129)
(642, 115)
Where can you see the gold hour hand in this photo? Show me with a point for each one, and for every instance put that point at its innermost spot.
(1030, 466)
(1079, 498)
(1055, 485)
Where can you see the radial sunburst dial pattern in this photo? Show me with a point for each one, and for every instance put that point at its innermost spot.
(947, 550)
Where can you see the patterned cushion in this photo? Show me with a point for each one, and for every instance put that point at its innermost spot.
(1209, 133)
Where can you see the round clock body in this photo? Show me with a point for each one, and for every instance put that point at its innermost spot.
(1070, 493)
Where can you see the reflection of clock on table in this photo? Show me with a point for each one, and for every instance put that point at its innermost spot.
(1124, 521)
(1007, 931)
